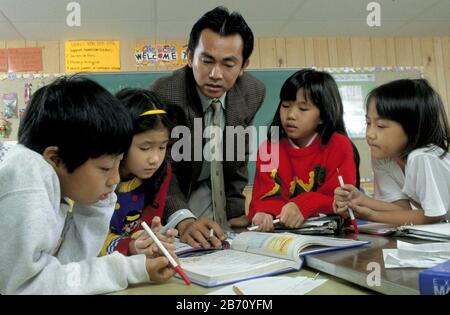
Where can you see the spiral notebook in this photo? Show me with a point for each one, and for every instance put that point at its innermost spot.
(434, 232)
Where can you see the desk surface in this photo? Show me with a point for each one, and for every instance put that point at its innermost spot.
(174, 286)
(353, 265)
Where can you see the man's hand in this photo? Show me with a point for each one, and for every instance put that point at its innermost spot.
(197, 233)
(291, 216)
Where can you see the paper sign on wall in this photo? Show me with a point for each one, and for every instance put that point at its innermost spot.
(24, 59)
(92, 56)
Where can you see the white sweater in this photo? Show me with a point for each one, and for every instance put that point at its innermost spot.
(32, 221)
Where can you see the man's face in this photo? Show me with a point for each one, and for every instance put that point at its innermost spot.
(217, 62)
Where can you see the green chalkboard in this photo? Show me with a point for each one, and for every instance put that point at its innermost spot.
(353, 85)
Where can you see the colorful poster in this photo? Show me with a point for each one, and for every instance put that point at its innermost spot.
(151, 55)
(24, 59)
(10, 105)
(92, 56)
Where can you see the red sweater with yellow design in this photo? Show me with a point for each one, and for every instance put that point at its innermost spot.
(305, 176)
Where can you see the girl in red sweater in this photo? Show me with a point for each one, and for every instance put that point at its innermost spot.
(298, 179)
(145, 175)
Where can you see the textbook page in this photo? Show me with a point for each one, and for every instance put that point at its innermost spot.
(279, 285)
(227, 266)
(288, 245)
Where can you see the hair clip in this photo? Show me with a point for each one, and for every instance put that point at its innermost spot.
(153, 112)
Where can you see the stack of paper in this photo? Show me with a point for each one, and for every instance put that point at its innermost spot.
(273, 286)
(416, 255)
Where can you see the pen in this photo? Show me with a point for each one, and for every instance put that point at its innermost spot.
(350, 211)
(172, 261)
(237, 290)
(252, 228)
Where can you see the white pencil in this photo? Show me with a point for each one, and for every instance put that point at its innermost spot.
(252, 228)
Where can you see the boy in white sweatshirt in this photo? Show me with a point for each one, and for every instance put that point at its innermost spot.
(57, 196)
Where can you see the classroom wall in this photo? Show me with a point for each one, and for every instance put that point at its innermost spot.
(431, 53)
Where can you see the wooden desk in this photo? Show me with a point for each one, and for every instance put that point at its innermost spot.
(334, 286)
(353, 265)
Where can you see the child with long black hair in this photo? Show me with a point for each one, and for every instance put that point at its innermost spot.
(408, 135)
(313, 144)
(145, 175)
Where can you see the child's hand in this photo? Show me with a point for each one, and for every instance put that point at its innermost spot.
(362, 212)
(159, 268)
(143, 244)
(291, 216)
(264, 221)
(345, 195)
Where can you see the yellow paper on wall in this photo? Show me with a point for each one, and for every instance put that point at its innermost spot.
(92, 56)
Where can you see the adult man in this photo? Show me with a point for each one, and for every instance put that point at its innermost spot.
(213, 87)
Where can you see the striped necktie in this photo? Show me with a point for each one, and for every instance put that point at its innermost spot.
(217, 181)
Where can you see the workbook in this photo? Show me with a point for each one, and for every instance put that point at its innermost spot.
(257, 254)
(434, 232)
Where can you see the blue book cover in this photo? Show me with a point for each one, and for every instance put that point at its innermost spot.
(436, 280)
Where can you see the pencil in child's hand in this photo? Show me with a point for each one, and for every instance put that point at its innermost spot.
(350, 211)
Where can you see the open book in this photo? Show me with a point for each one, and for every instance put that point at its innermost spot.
(434, 232)
(257, 254)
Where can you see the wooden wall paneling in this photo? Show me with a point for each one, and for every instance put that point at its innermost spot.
(50, 56)
(390, 52)
(417, 52)
(344, 51)
(267, 52)
(321, 54)
(332, 52)
(429, 62)
(255, 58)
(280, 49)
(446, 57)
(361, 51)
(295, 52)
(127, 59)
(379, 54)
(403, 51)
(440, 72)
(16, 44)
(309, 52)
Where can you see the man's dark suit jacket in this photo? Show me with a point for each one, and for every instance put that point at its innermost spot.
(242, 103)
